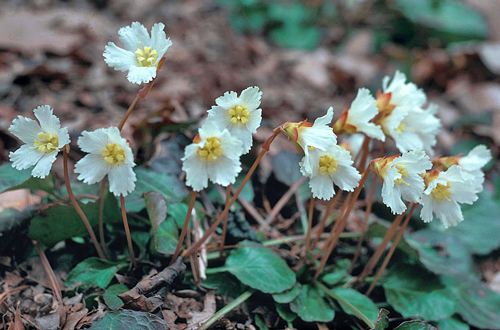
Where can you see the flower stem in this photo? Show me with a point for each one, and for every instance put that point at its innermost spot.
(76, 206)
(226, 309)
(346, 304)
(380, 249)
(364, 227)
(224, 225)
(309, 226)
(321, 227)
(342, 224)
(50, 273)
(127, 230)
(101, 212)
(129, 111)
(212, 228)
(184, 227)
(393, 248)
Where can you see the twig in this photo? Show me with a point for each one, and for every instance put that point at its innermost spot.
(127, 230)
(50, 273)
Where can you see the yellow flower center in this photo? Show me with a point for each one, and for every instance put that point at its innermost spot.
(146, 56)
(441, 191)
(239, 114)
(401, 128)
(212, 150)
(404, 173)
(48, 142)
(327, 164)
(113, 154)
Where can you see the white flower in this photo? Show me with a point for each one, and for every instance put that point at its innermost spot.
(108, 154)
(413, 128)
(443, 194)
(213, 155)
(402, 93)
(240, 115)
(42, 141)
(471, 166)
(312, 136)
(357, 117)
(401, 179)
(141, 54)
(331, 166)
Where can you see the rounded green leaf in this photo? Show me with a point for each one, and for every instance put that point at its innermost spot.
(452, 324)
(259, 268)
(127, 319)
(412, 290)
(311, 305)
(289, 295)
(59, 222)
(358, 300)
(111, 295)
(415, 325)
(93, 271)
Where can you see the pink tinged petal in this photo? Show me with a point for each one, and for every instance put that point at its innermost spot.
(121, 180)
(48, 122)
(139, 75)
(392, 198)
(228, 100)
(196, 171)
(25, 129)
(250, 98)
(94, 142)
(44, 165)
(322, 187)
(25, 157)
(92, 168)
(223, 171)
(131, 35)
(119, 58)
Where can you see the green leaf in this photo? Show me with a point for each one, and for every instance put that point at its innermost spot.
(336, 276)
(290, 13)
(59, 222)
(379, 229)
(156, 207)
(111, 295)
(415, 325)
(452, 324)
(147, 180)
(383, 320)
(260, 323)
(165, 231)
(286, 168)
(259, 268)
(311, 306)
(285, 313)
(127, 319)
(361, 302)
(448, 16)
(477, 304)
(411, 290)
(93, 271)
(13, 179)
(442, 253)
(480, 220)
(225, 283)
(289, 295)
(296, 36)
(178, 211)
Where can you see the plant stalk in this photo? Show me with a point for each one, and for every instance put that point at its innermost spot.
(127, 230)
(77, 207)
(184, 227)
